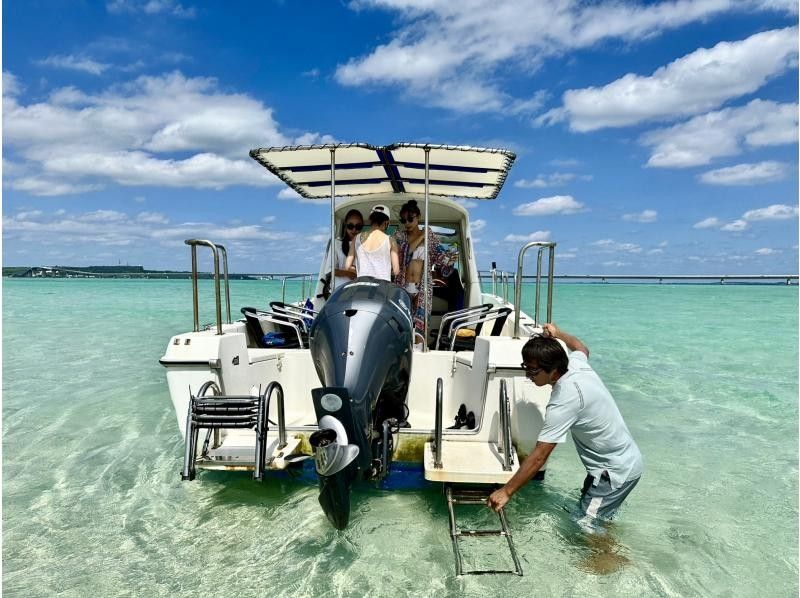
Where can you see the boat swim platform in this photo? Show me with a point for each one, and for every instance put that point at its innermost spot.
(468, 462)
(236, 452)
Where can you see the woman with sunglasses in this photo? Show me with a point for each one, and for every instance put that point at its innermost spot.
(351, 225)
(411, 247)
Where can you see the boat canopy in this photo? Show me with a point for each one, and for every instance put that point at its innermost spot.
(360, 169)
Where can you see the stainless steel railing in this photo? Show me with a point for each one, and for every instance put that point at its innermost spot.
(437, 435)
(504, 440)
(303, 278)
(551, 246)
(215, 250)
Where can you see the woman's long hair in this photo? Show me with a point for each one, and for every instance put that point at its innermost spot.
(410, 207)
(343, 232)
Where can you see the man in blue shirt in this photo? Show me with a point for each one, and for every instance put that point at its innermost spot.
(581, 404)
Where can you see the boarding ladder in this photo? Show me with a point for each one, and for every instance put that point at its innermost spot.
(476, 495)
(216, 412)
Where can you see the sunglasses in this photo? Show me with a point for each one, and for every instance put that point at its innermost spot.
(409, 220)
(354, 226)
(529, 371)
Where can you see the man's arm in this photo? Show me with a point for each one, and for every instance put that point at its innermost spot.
(529, 468)
(573, 342)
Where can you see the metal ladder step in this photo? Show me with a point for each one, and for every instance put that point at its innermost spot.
(470, 496)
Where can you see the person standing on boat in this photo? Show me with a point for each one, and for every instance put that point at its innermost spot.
(351, 225)
(375, 251)
(411, 248)
(580, 403)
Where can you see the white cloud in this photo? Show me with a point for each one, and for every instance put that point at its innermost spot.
(288, 193)
(693, 84)
(766, 251)
(546, 206)
(736, 226)
(478, 225)
(152, 218)
(722, 133)
(11, 85)
(555, 179)
(712, 222)
(129, 134)
(151, 7)
(612, 246)
(773, 212)
(745, 174)
(616, 264)
(28, 215)
(655, 251)
(539, 235)
(644, 216)
(268, 219)
(46, 187)
(452, 55)
(103, 216)
(75, 63)
(113, 228)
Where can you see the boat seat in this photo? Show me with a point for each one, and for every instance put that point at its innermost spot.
(475, 323)
(291, 329)
(305, 315)
(452, 318)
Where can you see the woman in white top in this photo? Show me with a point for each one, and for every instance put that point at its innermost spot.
(374, 250)
(351, 225)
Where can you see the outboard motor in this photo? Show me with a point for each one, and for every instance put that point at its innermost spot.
(361, 345)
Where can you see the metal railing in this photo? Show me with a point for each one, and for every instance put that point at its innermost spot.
(542, 245)
(437, 435)
(303, 278)
(504, 432)
(660, 278)
(215, 250)
(504, 281)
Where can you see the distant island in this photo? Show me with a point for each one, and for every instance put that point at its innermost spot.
(117, 272)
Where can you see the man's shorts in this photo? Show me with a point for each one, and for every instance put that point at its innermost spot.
(600, 501)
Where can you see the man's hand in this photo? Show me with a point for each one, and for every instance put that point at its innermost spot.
(498, 499)
(550, 330)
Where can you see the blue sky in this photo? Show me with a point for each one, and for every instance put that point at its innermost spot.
(651, 137)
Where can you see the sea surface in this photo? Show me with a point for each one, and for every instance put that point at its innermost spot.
(706, 377)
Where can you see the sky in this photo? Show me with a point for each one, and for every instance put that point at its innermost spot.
(651, 137)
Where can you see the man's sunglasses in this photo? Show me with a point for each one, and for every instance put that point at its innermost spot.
(409, 220)
(353, 226)
(529, 371)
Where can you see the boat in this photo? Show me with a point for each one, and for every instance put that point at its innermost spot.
(333, 382)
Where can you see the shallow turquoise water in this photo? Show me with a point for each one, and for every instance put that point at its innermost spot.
(705, 375)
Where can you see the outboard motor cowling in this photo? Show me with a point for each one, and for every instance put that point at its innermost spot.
(361, 345)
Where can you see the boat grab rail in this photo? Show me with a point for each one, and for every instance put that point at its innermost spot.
(275, 385)
(542, 245)
(504, 278)
(216, 249)
(504, 444)
(437, 435)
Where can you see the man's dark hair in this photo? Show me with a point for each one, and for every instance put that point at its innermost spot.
(378, 218)
(548, 354)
